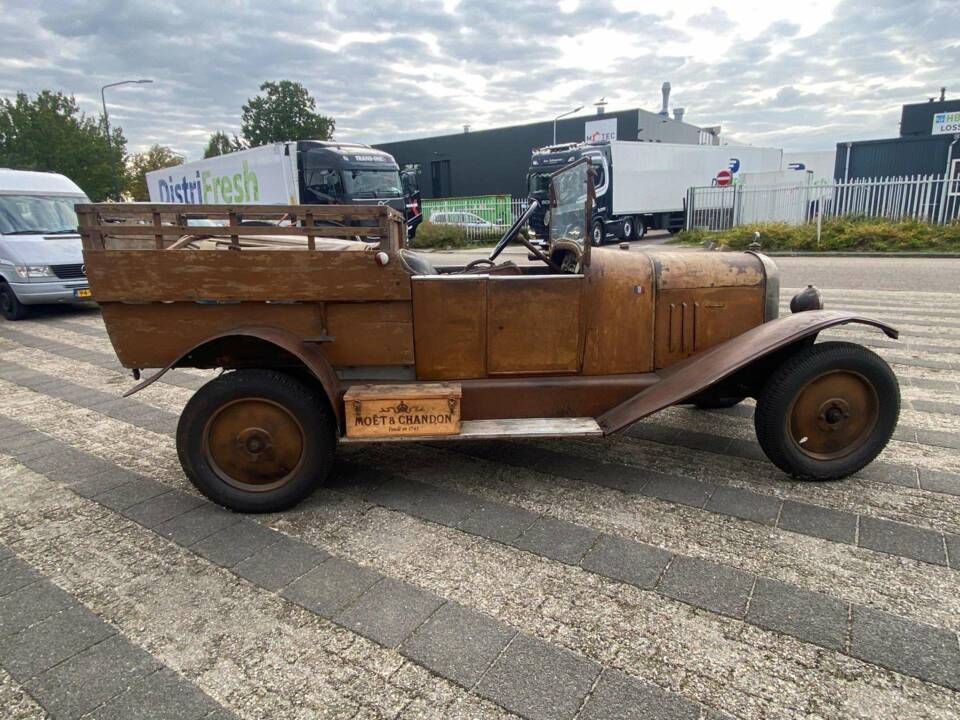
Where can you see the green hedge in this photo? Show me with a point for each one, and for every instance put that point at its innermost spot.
(837, 234)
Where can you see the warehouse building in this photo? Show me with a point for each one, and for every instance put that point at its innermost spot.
(495, 162)
(927, 145)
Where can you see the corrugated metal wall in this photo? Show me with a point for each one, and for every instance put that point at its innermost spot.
(894, 157)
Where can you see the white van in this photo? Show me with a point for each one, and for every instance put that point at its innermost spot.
(41, 258)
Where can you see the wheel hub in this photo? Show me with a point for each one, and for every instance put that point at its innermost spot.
(254, 444)
(833, 414)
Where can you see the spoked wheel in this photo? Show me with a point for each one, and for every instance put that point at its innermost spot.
(828, 411)
(256, 440)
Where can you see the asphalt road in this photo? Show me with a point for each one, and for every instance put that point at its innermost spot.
(666, 572)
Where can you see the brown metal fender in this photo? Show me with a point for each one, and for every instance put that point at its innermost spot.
(697, 373)
(309, 354)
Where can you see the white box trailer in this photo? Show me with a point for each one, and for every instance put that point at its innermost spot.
(305, 172)
(265, 175)
(643, 185)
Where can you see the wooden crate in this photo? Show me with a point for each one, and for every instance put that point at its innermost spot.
(402, 410)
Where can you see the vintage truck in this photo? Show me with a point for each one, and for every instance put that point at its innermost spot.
(332, 339)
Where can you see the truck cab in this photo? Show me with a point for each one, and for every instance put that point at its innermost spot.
(547, 160)
(354, 174)
(41, 256)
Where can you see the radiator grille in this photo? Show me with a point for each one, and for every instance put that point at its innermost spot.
(69, 272)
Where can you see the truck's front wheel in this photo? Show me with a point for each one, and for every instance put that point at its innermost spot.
(256, 440)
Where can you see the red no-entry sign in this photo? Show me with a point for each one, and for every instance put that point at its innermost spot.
(724, 177)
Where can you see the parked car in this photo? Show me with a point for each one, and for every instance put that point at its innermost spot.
(41, 256)
(375, 344)
(464, 220)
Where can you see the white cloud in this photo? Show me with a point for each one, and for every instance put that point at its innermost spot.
(801, 75)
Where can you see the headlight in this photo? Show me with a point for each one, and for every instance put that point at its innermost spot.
(807, 299)
(33, 271)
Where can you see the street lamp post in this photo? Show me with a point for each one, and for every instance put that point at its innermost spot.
(563, 115)
(106, 124)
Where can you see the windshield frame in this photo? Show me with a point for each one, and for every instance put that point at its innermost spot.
(583, 245)
(14, 222)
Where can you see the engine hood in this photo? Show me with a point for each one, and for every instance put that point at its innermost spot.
(41, 249)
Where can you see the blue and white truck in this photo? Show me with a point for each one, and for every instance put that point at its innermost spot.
(643, 185)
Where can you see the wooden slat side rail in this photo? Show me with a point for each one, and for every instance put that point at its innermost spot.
(324, 212)
(252, 275)
(234, 236)
(118, 230)
(90, 236)
(311, 236)
(158, 237)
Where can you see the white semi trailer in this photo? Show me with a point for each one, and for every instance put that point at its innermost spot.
(643, 185)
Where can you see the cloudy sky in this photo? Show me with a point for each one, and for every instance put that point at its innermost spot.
(799, 75)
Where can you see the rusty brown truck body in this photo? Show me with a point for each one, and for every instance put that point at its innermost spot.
(331, 338)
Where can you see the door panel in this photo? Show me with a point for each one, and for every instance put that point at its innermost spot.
(450, 327)
(534, 324)
(618, 305)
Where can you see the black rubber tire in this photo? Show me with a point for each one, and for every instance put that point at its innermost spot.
(597, 231)
(308, 405)
(10, 306)
(721, 403)
(782, 387)
(627, 229)
(639, 228)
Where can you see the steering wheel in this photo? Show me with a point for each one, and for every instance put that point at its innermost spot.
(475, 263)
(537, 252)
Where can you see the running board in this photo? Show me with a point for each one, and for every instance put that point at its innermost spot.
(501, 429)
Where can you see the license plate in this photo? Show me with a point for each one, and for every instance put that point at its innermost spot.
(82, 293)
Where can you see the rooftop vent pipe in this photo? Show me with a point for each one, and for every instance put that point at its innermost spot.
(665, 89)
(678, 114)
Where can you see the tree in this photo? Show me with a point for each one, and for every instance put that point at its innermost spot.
(221, 144)
(157, 157)
(49, 133)
(286, 112)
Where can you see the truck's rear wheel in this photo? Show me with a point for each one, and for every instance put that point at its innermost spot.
(256, 440)
(10, 306)
(828, 411)
(639, 229)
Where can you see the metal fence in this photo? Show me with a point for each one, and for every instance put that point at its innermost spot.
(928, 198)
(480, 217)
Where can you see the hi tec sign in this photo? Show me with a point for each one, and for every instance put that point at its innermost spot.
(946, 123)
(600, 130)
